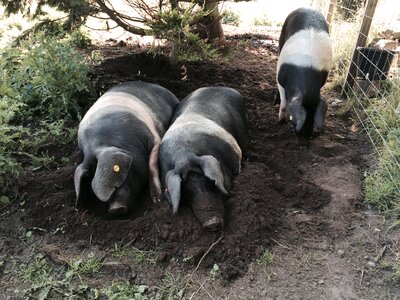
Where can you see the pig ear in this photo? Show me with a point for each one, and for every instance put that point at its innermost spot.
(212, 169)
(173, 192)
(81, 182)
(320, 112)
(297, 111)
(113, 167)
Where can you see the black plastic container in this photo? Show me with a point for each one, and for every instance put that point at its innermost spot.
(374, 63)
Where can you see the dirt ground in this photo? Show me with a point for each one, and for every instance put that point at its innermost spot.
(303, 204)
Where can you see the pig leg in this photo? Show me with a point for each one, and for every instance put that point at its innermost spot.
(282, 107)
(154, 176)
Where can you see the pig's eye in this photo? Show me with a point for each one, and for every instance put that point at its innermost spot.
(116, 168)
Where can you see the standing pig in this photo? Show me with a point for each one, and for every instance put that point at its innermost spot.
(119, 139)
(303, 66)
(202, 150)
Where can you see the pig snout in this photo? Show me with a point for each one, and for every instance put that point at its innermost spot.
(117, 208)
(121, 201)
(206, 201)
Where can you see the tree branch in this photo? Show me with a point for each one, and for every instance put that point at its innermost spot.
(117, 18)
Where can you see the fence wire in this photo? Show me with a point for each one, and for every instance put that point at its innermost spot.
(368, 68)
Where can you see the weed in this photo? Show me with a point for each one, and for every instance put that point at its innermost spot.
(262, 21)
(138, 256)
(49, 283)
(125, 291)
(396, 271)
(231, 18)
(88, 266)
(37, 271)
(60, 289)
(266, 259)
(214, 272)
(307, 260)
(382, 123)
(170, 288)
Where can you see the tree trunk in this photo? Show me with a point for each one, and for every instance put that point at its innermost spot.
(213, 22)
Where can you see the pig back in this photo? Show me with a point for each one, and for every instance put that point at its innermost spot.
(301, 19)
(222, 105)
(158, 99)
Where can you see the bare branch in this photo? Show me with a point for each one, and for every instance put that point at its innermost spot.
(120, 20)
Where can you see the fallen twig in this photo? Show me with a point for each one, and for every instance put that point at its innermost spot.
(201, 259)
(283, 246)
(362, 276)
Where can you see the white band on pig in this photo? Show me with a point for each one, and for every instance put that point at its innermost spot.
(132, 104)
(307, 48)
(191, 123)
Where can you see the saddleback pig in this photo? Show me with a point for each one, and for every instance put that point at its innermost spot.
(304, 62)
(119, 139)
(202, 150)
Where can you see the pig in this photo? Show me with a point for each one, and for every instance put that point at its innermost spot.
(201, 152)
(119, 139)
(304, 62)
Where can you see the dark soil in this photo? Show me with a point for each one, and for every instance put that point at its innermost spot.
(285, 192)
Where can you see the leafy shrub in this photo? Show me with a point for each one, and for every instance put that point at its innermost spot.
(176, 26)
(78, 39)
(230, 17)
(41, 82)
(49, 76)
(263, 21)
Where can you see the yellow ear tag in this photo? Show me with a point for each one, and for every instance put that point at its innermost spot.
(291, 118)
(116, 168)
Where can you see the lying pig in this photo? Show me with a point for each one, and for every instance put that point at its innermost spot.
(303, 65)
(119, 139)
(202, 150)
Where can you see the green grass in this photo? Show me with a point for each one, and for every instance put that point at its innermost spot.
(46, 281)
(125, 291)
(382, 185)
(85, 266)
(266, 259)
(262, 21)
(171, 287)
(138, 256)
(36, 272)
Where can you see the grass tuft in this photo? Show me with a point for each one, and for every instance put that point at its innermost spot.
(266, 259)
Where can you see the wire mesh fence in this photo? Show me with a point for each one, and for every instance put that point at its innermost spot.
(366, 37)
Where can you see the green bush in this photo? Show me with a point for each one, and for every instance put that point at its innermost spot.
(230, 17)
(41, 82)
(176, 26)
(49, 78)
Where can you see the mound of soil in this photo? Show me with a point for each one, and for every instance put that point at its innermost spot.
(273, 196)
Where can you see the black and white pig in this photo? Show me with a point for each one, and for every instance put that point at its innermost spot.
(202, 150)
(303, 65)
(119, 139)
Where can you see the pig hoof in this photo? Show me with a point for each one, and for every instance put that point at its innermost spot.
(117, 210)
(213, 224)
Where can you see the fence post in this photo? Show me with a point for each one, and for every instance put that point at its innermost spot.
(361, 41)
(329, 15)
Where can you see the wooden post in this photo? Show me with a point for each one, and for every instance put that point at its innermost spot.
(361, 41)
(329, 16)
